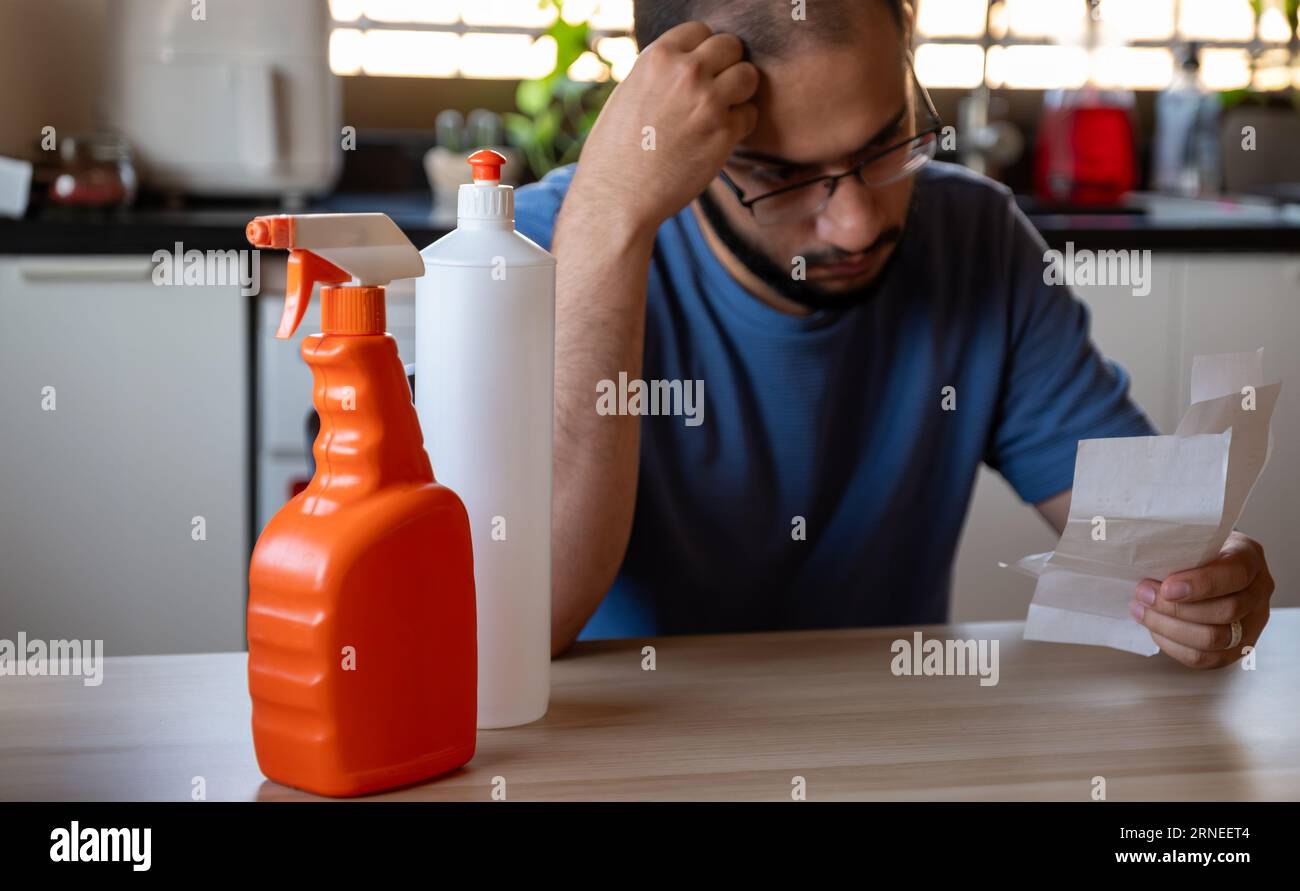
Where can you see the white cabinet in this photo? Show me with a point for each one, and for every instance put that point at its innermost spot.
(149, 430)
(1202, 303)
(1238, 303)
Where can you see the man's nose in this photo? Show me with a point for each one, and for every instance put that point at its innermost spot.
(853, 220)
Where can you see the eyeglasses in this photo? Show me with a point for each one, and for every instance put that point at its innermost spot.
(806, 198)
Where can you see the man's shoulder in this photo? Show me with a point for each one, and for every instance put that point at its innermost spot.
(537, 204)
(958, 184)
(968, 215)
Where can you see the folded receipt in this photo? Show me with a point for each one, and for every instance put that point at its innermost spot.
(1147, 506)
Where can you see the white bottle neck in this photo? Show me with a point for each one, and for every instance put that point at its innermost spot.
(477, 201)
(474, 225)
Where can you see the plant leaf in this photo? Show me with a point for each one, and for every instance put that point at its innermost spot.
(570, 42)
(532, 96)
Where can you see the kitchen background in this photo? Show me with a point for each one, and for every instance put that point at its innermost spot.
(129, 125)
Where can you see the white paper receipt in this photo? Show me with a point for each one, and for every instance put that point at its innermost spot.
(1148, 506)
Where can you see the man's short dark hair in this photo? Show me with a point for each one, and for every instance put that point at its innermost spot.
(763, 25)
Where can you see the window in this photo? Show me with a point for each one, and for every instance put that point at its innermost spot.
(1016, 44)
(473, 38)
(1042, 44)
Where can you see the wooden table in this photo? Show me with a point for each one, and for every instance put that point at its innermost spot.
(728, 717)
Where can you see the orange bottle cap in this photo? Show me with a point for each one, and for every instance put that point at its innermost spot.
(352, 309)
(486, 165)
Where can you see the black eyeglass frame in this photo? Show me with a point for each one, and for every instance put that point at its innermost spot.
(833, 178)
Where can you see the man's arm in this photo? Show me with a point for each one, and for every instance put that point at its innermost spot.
(1056, 510)
(599, 331)
(1059, 390)
(660, 139)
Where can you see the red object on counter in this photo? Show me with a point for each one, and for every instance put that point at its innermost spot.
(1085, 154)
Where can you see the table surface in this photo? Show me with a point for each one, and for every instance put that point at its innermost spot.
(728, 717)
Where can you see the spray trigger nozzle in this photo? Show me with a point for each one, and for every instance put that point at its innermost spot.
(336, 249)
(305, 269)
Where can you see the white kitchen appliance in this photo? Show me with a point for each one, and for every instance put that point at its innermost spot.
(229, 98)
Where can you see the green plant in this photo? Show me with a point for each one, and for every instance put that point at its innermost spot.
(1268, 99)
(556, 113)
(1289, 8)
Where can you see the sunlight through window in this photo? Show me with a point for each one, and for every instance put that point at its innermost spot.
(613, 15)
(1038, 67)
(506, 55)
(1140, 19)
(507, 13)
(1037, 44)
(949, 65)
(1273, 27)
(1216, 19)
(620, 51)
(1132, 67)
(410, 53)
(1273, 70)
(952, 18)
(425, 12)
(1225, 69)
(1061, 20)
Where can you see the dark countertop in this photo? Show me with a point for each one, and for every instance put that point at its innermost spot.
(1147, 222)
(59, 230)
(1179, 225)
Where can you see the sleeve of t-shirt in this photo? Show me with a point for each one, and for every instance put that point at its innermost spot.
(537, 204)
(1057, 387)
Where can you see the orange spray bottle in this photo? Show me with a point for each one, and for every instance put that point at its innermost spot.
(361, 625)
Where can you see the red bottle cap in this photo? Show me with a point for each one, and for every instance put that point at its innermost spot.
(486, 165)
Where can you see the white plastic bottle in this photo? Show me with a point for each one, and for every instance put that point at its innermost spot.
(484, 392)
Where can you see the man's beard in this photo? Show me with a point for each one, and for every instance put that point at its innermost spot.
(805, 293)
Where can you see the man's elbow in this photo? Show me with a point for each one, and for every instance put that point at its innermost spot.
(564, 634)
(561, 645)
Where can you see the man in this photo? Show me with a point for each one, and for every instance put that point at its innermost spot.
(754, 210)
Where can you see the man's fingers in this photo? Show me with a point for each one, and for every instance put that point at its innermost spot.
(1194, 635)
(1252, 627)
(1233, 571)
(719, 52)
(1190, 614)
(737, 84)
(1215, 611)
(741, 119)
(684, 37)
(1190, 657)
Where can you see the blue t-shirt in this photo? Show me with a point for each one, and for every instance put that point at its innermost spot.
(839, 418)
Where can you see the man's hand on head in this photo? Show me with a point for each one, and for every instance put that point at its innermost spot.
(667, 129)
(1190, 614)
